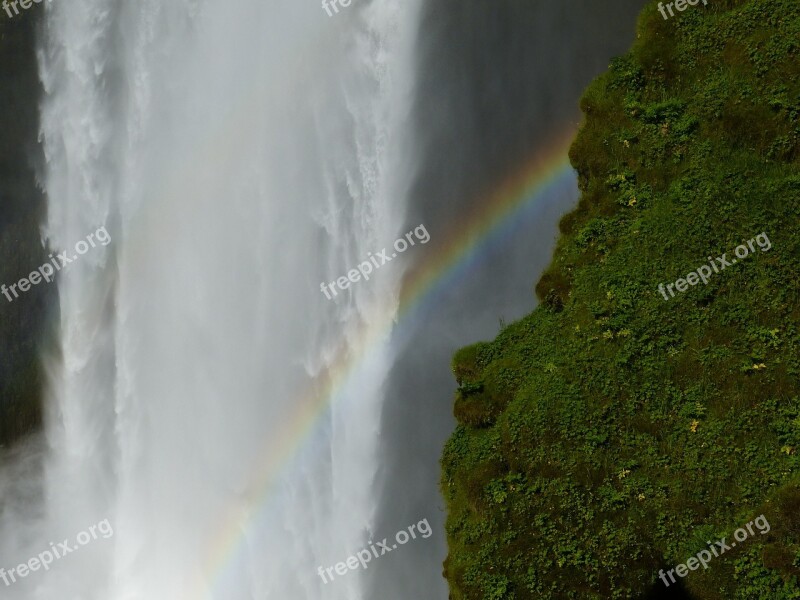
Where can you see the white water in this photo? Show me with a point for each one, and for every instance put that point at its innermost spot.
(239, 153)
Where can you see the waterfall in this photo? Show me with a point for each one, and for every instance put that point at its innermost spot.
(238, 154)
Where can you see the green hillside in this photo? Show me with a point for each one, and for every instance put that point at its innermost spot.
(613, 432)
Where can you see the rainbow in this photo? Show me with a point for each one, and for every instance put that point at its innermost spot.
(456, 254)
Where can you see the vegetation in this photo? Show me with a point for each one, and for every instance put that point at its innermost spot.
(611, 433)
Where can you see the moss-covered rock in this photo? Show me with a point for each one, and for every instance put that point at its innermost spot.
(611, 433)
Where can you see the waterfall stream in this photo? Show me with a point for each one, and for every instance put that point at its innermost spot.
(239, 153)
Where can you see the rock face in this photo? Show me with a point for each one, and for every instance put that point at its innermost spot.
(617, 429)
(23, 321)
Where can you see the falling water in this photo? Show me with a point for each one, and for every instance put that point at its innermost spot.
(239, 153)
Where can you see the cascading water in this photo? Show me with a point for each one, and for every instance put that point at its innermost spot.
(239, 153)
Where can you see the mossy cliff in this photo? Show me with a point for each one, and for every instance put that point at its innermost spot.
(611, 433)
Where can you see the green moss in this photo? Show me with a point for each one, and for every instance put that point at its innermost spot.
(610, 433)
